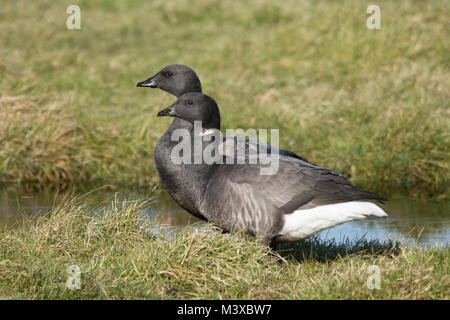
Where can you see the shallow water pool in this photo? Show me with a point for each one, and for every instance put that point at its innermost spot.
(416, 222)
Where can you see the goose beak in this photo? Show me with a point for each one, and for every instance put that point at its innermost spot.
(150, 82)
(169, 111)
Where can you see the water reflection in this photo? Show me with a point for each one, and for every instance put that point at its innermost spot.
(419, 222)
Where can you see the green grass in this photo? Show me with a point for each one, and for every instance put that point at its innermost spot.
(373, 104)
(120, 256)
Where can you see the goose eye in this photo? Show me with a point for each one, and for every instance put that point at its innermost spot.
(170, 73)
(189, 102)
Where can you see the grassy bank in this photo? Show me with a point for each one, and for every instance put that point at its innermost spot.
(373, 104)
(120, 256)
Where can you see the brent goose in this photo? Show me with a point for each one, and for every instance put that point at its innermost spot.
(296, 202)
(178, 79)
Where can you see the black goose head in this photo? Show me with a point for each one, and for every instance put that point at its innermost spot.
(176, 79)
(195, 106)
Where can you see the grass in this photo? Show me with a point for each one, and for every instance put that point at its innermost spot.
(121, 256)
(373, 104)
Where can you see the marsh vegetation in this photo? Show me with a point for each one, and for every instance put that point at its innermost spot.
(372, 104)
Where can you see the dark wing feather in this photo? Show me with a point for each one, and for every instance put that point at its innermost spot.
(297, 185)
(231, 145)
(237, 206)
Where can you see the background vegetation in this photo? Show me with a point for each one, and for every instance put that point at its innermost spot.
(373, 104)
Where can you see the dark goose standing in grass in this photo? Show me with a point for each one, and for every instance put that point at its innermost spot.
(177, 80)
(296, 202)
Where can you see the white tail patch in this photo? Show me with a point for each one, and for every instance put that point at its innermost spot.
(304, 223)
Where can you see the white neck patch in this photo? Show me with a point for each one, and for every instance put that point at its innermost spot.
(206, 132)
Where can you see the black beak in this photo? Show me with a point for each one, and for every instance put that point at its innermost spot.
(169, 111)
(150, 82)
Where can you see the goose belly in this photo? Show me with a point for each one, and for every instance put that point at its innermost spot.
(304, 223)
(171, 180)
